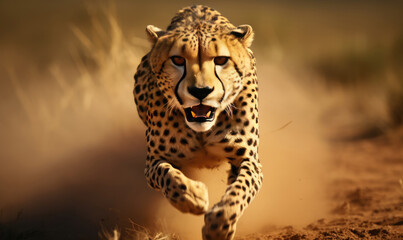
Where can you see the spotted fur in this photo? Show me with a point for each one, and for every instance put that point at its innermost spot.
(199, 35)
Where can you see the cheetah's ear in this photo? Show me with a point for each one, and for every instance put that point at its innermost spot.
(154, 33)
(245, 34)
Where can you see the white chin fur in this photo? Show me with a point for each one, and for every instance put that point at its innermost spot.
(200, 127)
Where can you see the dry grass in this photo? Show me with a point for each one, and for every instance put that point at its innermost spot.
(142, 233)
(98, 80)
(137, 232)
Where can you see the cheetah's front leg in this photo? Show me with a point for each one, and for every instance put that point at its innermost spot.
(245, 181)
(183, 193)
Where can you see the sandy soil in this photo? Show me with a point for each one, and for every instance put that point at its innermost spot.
(366, 192)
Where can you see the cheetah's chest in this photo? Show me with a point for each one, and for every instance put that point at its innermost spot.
(203, 158)
(176, 143)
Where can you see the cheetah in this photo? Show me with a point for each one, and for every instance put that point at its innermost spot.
(196, 91)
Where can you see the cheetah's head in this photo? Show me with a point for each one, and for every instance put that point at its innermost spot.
(200, 68)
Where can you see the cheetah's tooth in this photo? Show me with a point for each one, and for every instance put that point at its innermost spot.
(208, 114)
(193, 114)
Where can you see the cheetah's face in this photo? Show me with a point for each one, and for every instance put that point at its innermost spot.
(200, 73)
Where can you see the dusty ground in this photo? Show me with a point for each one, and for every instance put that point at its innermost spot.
(366, 192)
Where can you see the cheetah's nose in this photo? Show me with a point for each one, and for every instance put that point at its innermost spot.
(200, 93)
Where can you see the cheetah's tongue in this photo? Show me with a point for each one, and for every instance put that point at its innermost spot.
(201, 111)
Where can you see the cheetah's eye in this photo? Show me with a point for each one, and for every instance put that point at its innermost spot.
(178, 61)
(221, 60)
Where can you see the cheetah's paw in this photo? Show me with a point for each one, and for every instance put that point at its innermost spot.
(219, 223)
(188, 196)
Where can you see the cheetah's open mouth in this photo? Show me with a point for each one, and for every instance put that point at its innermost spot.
(200, 113)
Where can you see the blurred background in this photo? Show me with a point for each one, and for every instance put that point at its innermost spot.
(72, 147)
